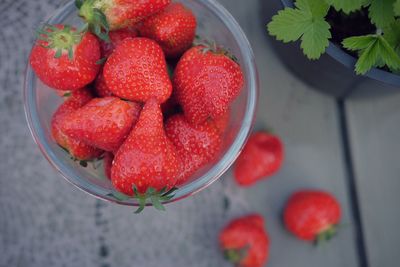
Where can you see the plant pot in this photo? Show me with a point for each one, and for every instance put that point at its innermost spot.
(333, 73)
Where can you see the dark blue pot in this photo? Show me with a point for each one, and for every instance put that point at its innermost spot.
(326, 74)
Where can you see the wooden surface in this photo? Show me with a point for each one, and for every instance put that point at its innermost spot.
(44, 221)
(373, 120)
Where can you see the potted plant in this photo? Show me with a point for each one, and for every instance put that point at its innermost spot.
(363, 35)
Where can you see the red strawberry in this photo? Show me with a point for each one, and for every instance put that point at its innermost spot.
(115, 14)
(222, 122)
(116, 37)
(174, 29)
(76, 148)
(147, 161)
(101, 87)
(64, 58)
(197, 145)
(245, 241)
(312, 215)
(107, 162)
(206, 82)
(103, 122)
(261, 157)
(137, 71)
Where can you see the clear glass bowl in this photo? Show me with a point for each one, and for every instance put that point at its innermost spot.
(214, 23)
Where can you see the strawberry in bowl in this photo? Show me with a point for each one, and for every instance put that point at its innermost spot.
(159, 141)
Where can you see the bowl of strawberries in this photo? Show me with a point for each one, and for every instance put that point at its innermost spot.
(141, 102)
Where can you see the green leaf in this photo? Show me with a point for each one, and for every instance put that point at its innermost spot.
(392, 34)
(374, 50)
(396, 8)
(314, 8)
(358, 42)
(388, 54)
(315, 39)
(346, 6)
(288, 25)
(305, 22)
(381, 12)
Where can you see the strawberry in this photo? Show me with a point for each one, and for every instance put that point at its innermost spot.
(76, 148)
(107, 15)
(65, 59)
(261, 157)
(147, 164)
(312, 215)
(107, 163)
(222, 122)
(101, 87)
(197, 145)
(116, 37)
(103, 122)
(174, 29)
(137, 71)
(206, 81)
(245, 241)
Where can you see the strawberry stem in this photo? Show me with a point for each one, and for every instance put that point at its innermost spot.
(96, 20)
(60, 39)
(156, 197)
(326, 235)
(211, 46)
(235, 256)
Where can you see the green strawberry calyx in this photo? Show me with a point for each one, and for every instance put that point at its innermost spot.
(96, 20)
(234, 255)
(213, 47)
(326, 234)
(152, 196)
(61, 39)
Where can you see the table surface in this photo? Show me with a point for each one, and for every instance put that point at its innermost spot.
(348, 147)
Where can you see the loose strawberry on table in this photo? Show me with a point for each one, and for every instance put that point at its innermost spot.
(245, 242)
(261, 157)
(312, 215)
(197, 145)
(174, 29)
(107, 15)
(78, 149)
(137, 71)
(64, 58)
(103, 122)
(206, 81)
(147, 163)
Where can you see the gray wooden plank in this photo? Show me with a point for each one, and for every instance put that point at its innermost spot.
(308, 123)
(373, 113)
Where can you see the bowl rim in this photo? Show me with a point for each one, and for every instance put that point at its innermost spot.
(213, 174)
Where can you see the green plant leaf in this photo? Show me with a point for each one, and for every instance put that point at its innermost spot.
(392, 34)
(315, 39)
(374, 50)
(396, 8)
(388, 54)
(288, 25)
(346, 6)
(305, 22)
(381, 12)
(358, 42)
(368, 58)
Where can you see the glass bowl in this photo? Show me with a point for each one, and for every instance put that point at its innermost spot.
(214, 23)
